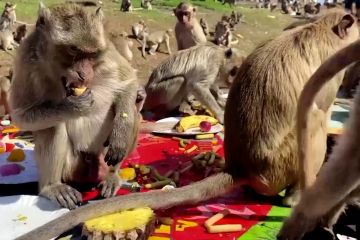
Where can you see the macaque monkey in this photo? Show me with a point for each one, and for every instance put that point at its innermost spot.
(337, 184)
(188, 31)
(126, 6)
(286, 8)
(204, 25)
(260, 125)
(79, 137)
(311, 9)
(20, 33)
(7, 40)
(138, 29)
(153, 41)
(146, 4)
(236, 17)
(195, 71)
(223, 35)
(8, 16)
(4, 91)
(123, 44)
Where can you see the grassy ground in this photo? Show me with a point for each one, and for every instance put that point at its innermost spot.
(259, 25)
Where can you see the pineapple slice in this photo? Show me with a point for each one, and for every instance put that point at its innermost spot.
(132, 224)
(194, 121)
(78, 91)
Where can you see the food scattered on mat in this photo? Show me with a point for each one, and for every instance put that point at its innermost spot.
(205, 126)
(193, 122)
(211, 228)
(127, 174)
(132, 224)
(16, 155)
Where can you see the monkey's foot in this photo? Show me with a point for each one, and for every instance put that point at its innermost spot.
(63, 194)
(110, 185)
(295, 227)
(290, 200)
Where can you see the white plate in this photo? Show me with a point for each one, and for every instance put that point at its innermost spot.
(192, 131)
(37, 210)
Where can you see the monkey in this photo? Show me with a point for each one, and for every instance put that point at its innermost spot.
(153, 41)
(126, 6)
(311, 9)
(78, 138)
(137, 30)
(5, 81)
(286, 8)
(351, 80)
(223, 35)
(20, 33)
(260, 117)
(123, 44)
(236, 17)
(336, 186)
(146, 4)
(188, 31)
(206, 67)
(8, 16)
(7, 40)
(204, 25)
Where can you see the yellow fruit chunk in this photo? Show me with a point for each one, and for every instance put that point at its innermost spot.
(16, 155)
(127, 174)
(194, 121)
(78, 91)
(121, 221)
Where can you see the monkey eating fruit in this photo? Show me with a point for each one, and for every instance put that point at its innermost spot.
(260, 133)
(78, 91)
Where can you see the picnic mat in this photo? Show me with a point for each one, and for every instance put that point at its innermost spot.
(259, 218)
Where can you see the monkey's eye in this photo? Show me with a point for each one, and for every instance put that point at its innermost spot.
(72, 50)
(233, 71)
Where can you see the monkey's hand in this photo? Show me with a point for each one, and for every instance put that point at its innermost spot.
(115, 154)
(63, 194)
(295, 227)
(111, 184)
(81, 104)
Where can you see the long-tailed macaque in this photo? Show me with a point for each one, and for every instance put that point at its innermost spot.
(154, 39)
(260, 127)
(77, 134)
(188, 31)
(20, 33)
(8, 16)
(123, 44)
(138, 30)
(126, 6)
(337, 185)
(195, 71)
(223, 35)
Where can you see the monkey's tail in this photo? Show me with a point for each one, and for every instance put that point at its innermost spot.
(323, 74)
(203, 190)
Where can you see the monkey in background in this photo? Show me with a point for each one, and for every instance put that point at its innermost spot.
(337, 185)
(78, 137)
(260, 132)
(138, 29)
(8, 16)
(195, 71)
(154, 39)
(205, 26)
(146, 4)
(223, 35)
(20, 33)
(188, 31)
(126, 6)
(123, 44)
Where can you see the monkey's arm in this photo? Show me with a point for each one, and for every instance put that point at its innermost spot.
(167, 41)
(124, 132)
(143, 46)
(48, 114)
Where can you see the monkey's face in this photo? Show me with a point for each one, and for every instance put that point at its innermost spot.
(74, 42)
(184, 14)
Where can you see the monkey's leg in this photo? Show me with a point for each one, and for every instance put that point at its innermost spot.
(167, 41)
(153, 49)
(53, 155)
(201, 91)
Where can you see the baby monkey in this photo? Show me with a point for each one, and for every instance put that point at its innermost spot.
(153, 41)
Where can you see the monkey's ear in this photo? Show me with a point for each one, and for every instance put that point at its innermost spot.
(99, 13)
(341, 28)
(43, 13)
(228, 53)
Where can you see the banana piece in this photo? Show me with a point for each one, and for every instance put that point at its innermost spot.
(78, 91)
(193, 121)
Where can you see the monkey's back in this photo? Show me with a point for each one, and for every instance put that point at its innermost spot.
(260, 113)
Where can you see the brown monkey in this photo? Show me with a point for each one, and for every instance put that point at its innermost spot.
(8, 16)
(7, 40)
(126, 6)
(123, 44)
(338, 182)
(205, 26)
(146, 4)
(76, 136)
(223, 35)
(153, 41)
(311, 9)
(138, 28)
(260, 135)
(351, 79)
(5, 81)
(188, 31)
(195, 71)
(20, 33)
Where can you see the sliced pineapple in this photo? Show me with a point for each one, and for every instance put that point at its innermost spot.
(78, 91)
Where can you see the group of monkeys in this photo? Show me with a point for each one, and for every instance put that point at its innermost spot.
(270, 143)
